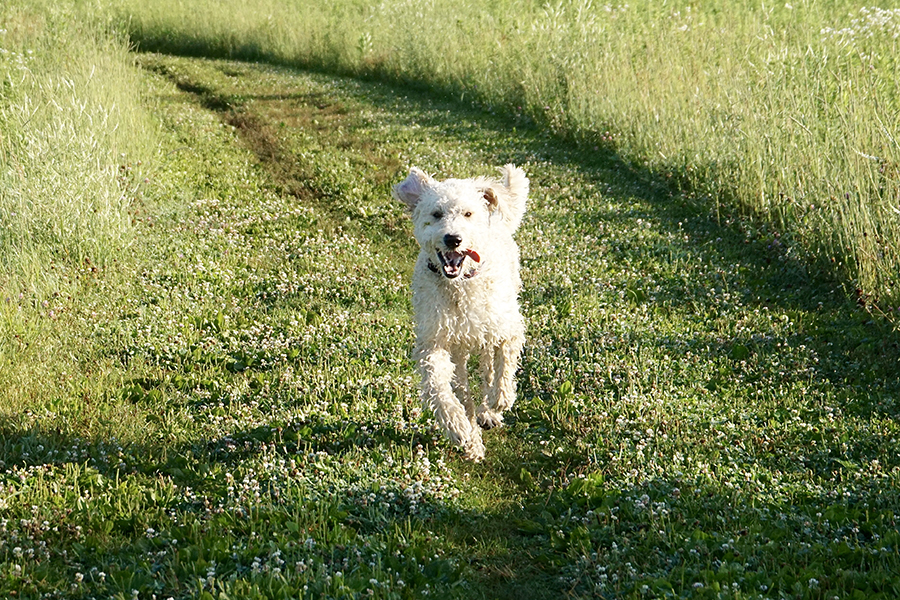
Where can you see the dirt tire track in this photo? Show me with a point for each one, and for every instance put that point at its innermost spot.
(291, 176)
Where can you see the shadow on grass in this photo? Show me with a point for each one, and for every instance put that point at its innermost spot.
(150, 540)
(560, 540)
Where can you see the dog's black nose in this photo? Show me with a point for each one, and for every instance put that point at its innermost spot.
(452, 241)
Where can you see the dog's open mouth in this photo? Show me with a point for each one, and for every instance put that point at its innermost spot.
(451, 261)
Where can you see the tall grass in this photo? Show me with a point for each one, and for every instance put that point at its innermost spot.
(71, 121)
(71, 125)
(785, 110)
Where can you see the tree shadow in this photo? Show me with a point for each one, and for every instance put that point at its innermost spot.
(393, 523)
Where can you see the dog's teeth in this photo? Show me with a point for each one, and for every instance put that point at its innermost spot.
(451, 262)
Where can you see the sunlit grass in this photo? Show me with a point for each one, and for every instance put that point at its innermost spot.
(787, 111)
(214, 397)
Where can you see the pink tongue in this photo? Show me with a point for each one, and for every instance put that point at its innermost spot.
(473, 255)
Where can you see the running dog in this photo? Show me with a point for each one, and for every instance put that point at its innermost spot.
(466, 296)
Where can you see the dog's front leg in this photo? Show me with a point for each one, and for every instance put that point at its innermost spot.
(438, 372)
(474, 449)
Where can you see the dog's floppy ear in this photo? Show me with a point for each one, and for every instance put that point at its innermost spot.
(490, 197)
(409, 191)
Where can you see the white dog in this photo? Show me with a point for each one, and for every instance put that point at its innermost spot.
(465, 295)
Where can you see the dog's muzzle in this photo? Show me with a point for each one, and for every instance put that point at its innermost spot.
(452, 262)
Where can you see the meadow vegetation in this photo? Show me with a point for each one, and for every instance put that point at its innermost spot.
(72, 123)
(210, 395)
(789, 111)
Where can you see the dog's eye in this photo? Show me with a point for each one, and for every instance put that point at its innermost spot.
(469, 214)
(437, 215)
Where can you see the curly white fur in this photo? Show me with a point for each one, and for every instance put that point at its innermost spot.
(465, 295)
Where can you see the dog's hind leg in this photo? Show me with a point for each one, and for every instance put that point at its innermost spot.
(506, 361)
(438, 373)
(461, 377)
(498, 379)
(461, 382)
(487, 416)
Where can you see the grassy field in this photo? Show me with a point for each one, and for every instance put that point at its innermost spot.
(788, 111)
(700, 415)
(219, 402)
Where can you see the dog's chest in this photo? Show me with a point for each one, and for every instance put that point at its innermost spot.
(467, 313)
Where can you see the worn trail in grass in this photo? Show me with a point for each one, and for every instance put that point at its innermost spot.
(699, 414)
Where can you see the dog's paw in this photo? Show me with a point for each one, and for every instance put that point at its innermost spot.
(460, 432)
(488, 419)
(474, 449)
(467, 438)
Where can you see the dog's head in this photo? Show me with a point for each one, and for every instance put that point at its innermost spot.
(457, 220)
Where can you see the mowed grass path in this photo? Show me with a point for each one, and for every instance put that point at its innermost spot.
(700, 415)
